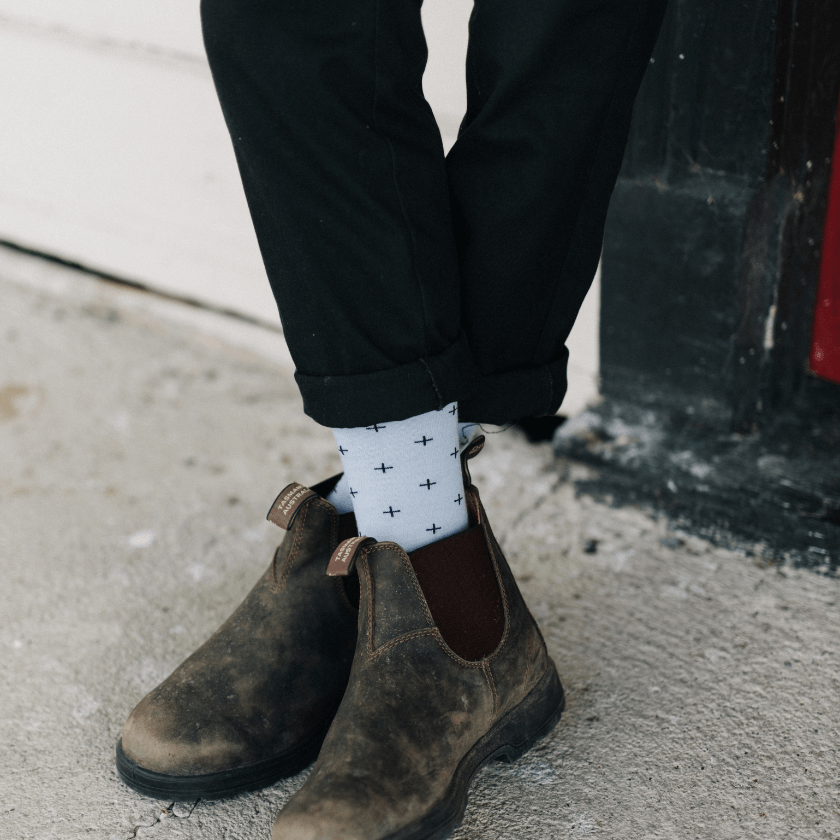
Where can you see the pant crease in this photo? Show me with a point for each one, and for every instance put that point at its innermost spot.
(406, 220)
(434, 384)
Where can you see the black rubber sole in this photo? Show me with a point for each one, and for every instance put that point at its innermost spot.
(225, 782)
(507, 741)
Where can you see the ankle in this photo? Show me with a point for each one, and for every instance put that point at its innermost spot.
(405, 478)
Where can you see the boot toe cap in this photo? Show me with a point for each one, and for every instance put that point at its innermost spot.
(171, 741)
(345, 807)
(323, 826)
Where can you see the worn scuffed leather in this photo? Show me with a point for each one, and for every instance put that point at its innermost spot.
(271, 675)
(412, 709)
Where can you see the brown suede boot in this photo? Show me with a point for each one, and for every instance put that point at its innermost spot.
(418, 720)
(253, 704)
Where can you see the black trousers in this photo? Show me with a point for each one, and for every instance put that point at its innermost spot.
(405, 279)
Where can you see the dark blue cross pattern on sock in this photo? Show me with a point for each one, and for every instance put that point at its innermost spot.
(452, 410)
(354, 493)
(434, 527)
(454, 452)
(427, 484)
(392, 512)
(342, 450)
(458, 500)
(425, 440)
(374, 428)
(383, 468)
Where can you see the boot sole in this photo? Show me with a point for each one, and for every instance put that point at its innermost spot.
(507, 741)
(223, 783)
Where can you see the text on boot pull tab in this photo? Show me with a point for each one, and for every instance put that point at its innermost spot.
(344, 557)
(288, 503)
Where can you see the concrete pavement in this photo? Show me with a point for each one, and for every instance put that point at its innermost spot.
(141, 443)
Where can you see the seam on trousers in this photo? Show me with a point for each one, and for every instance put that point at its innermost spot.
(632, 34)
(434, 384)
(394, 178)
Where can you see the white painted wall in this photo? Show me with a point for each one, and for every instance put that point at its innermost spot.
(113, 151)
(160, 25)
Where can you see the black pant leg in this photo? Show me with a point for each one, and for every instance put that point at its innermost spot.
(343, 169)
(386, 313)
(550, 86)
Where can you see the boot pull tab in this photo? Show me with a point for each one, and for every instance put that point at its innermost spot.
(344, 557)
(473, 448)
(288, 503)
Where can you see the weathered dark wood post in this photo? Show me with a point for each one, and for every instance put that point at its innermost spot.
(712, 247)
(710, 266)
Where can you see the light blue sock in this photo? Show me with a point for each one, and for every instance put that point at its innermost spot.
(404, 478)
(340, 497)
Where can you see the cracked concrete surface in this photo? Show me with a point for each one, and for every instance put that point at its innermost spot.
(140, 448)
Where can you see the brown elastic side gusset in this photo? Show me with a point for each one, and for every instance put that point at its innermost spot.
(347, 529)
(457, 577)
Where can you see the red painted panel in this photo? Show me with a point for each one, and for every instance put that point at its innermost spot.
(825, 337)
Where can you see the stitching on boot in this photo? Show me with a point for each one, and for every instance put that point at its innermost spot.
(406, 637)
(528, 658)
(290, 560)
(273, 582)
(431, 631)
(333, 514)
(298, 540)
(277, 584)
(502, 587)
(466, 663)
(365, 559)
(540, 639)
(363, 563)
(490, 681)
(410, 571)
(392, 546)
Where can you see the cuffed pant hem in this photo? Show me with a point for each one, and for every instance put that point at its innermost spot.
(361, 399)
(502, 398)
(429, 384)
